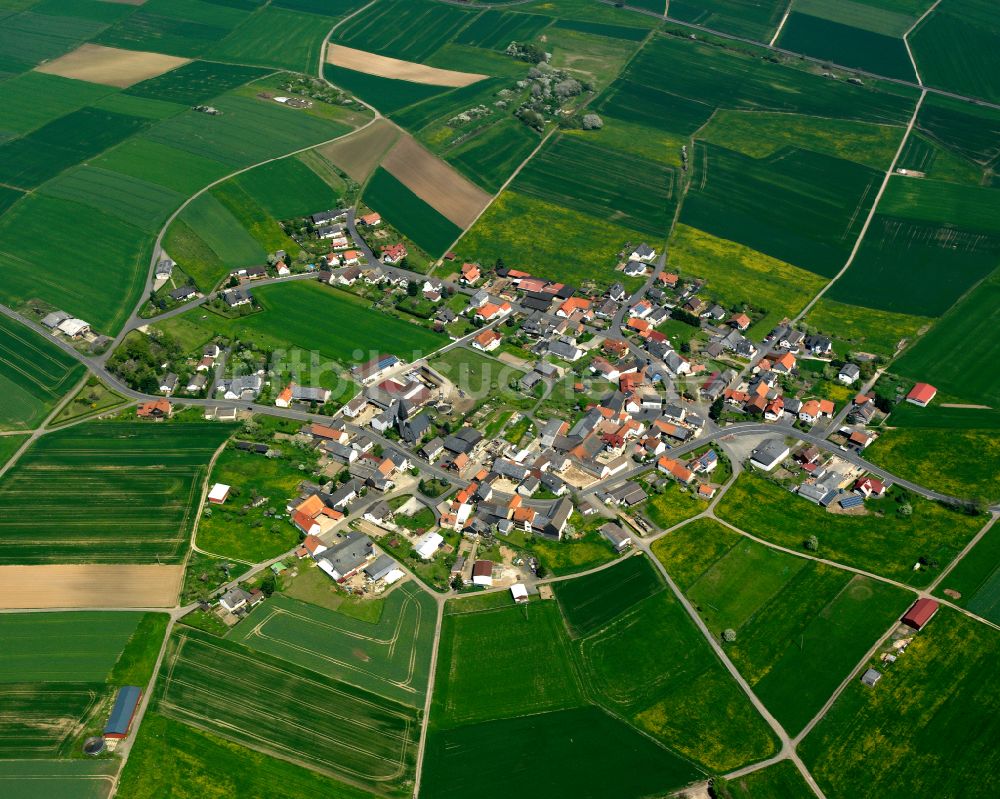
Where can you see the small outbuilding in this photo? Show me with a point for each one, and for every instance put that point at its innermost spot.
(871, 677)
(921, 612)
(218, 494)
(519, 592)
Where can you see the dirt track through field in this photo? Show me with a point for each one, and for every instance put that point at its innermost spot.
(385, 67)
(111, 66)
(89, 585)
(436, 183)
(359, 153)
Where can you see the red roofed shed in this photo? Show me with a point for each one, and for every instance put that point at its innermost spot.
(921, 612)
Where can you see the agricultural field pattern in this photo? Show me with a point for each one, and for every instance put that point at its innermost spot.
(560, 399)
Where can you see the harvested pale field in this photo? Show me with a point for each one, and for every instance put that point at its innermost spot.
(89, 586)
(111, 66)
(359, 153)
(437, 184)
(385, 67)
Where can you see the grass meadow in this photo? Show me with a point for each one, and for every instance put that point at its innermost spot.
(739, 275)
(277, 708)
(390, 657)
(935, 706)
(490, 157)
(800, 626)
(276, 37)
(883, 541)
(195, 82)
(532, 234)
(35, 375)
(287, 188)
(865, 329)
(23, 112)
(163, 165)
(780, 781)
(112, 492)
(671, 507)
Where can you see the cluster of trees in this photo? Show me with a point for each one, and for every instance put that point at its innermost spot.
(137, 361)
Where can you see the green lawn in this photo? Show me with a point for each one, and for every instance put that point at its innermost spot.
(889, 545)
(671, 507)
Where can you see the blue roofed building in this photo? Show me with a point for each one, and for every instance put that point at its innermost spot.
(123, 712)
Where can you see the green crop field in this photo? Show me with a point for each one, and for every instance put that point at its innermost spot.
(952, 354)
(889, 545)
(409, 214)
(739, 275)
(196, 82)
(653, 666)
(763, 134)
(441, 108)
(607, 184)
(199, 765)
(727, 78)
(10, 444)
(28, 38)
(496, 29)
(565, 753)
(800, 626)
(528, 233)
(306, 315)
(976, 579)
(158, 163)
(490, 157)
(955, 48)
(247, 131)
(800, 207)
(132, 200)
(899, 264)
(937, 162)
(935, 705)
(591, 601)
(251, 218)
(43, 153)
(408, 29)
(35, 375)
(63, 647)
(387, 94)
(780, 781)
(222, 233)
(652, 106)
(846, 45)
(112, 492)
(274, 37)
(57, 779)
(100, 282)
(42, 719)
(177, 27)
(288, 188)
(502, 662)
(280, 709)
(22, 112)
(973, 208)
(390, 657)
(756, 20)
(971, 131)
